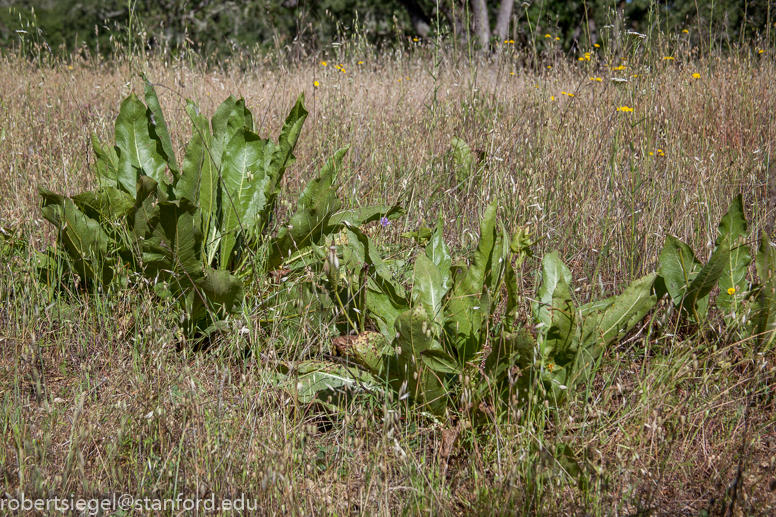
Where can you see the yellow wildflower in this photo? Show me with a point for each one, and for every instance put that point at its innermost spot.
(731, 291)
(624, 108)
(547, 36)
(315, 83)
(511, 42)
(596, 79)
(669, 58)
(557, 38)
(696, 75)
(685, 31)
(596, 45)
(415, 39)
(552, 97)
(323, 63)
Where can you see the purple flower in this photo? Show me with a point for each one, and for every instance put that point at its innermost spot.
(384, 222)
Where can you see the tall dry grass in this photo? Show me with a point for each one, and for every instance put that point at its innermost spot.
(97, 400)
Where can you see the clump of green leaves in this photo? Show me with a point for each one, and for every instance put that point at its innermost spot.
(747, 307)
(430, 339)
(194, 230)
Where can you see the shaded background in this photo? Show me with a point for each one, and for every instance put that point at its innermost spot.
(223, 27)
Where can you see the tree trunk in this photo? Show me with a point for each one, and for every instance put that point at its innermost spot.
(502, 22)
(481, 23)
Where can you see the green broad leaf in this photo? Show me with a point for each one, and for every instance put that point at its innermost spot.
(385, 298)
(414, 339)
(108, 204)
(200, 177)
(217, 292)
(421, 236)
(361, 216)
(140, 149)
(512, 298)
(107, 163)
(560, 341)
(732, 282)
(230, 117)
(567, 461)
(159, 127)
(440, 362)
(498, 261)
(429, 288)
(626, 310)
(245, 185)
(462, 153)
(465, 319)
(439, 253)
(509, 350)
(316, 205)
(679, 267)
(606, 321)
(765, 316)
(289, 135)
(554, 271)
(81, 236)
(696, 298)
(280, 157)
(326, 383)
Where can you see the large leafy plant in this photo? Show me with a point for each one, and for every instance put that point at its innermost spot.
(747, 307)
(193, 230)
(427, 340)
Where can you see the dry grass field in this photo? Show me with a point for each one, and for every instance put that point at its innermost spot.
(602, 157)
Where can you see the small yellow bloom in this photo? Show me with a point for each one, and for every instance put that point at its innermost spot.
(624, 108)
(549, 66)
(596, 79)
(415, 39)
(315, 83)
(581, 59)
(563, 93)
(696, 75)
(760, 51)
(621, 67)
(323, 63)
(360, 62)
(399, 79)
(660, 151)
(557, 38)
(70, 67)
(669, 58)
(731, 291)
(547, 36)
(511, 73)
(511, 42)
(570, 94)
(635, 75)
(685, 31)
(596, 45)
(506, 42)
(651, 153)
(552, 97)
